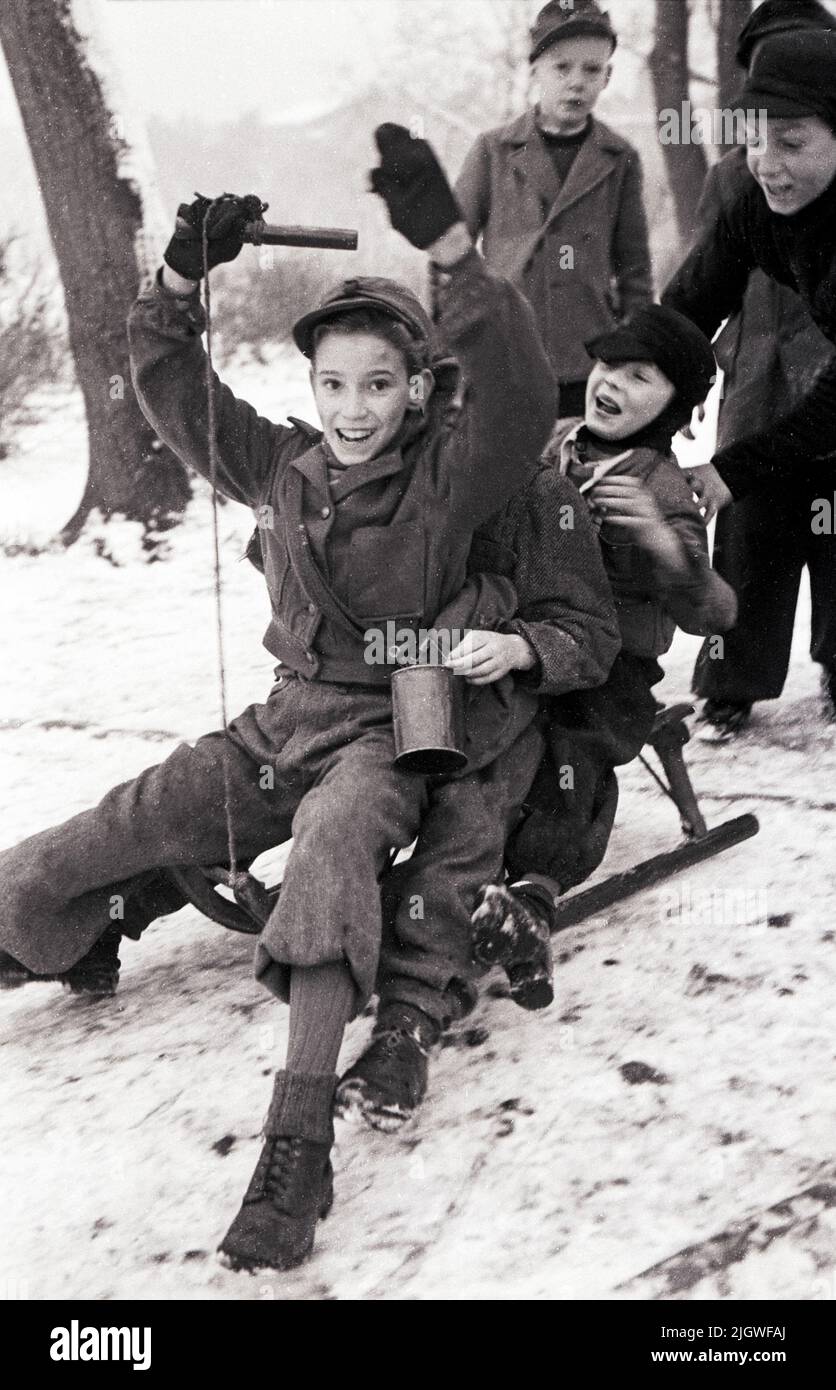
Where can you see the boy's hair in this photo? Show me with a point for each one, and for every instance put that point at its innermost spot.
(376, 321)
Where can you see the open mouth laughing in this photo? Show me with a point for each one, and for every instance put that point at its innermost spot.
(605, 405)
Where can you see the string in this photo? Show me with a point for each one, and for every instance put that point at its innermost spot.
(216, 547)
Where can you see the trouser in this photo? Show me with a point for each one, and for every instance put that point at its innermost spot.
(568, 815)
(761, 546)
(314, 762)
(429, 898)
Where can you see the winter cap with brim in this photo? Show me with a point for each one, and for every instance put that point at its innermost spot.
(569, 19)
(366, 292)
(781, 17)
(667, 338)
(793, 75)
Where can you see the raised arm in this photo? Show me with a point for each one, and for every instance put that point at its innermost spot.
(630, 244)
(511, 393)
(168, 366)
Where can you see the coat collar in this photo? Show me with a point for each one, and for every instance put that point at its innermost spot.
(313, 465)
(595, 161)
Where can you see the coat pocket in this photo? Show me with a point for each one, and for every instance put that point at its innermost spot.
(386, 571)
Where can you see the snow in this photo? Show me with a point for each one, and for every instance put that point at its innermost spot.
(535, 1169)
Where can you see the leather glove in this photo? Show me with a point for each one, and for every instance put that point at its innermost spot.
(413, 186)
(225, 232)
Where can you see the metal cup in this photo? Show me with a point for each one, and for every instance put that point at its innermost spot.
(428, 717)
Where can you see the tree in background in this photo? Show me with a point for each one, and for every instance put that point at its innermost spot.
(33, 345)
(685, 161)
(731, 15)
(94, 211)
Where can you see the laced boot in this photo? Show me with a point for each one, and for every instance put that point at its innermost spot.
(511, 928)
(293, 1183)
(388, 1081)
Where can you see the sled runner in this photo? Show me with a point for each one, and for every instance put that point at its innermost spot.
(253, 902)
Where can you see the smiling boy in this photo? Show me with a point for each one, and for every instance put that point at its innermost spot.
(373, 518)
(557, 197)
(785, 225)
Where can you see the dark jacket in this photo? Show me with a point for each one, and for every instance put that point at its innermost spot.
(509, 192)
(544, 541)
(770, 351)
(391, 539)
(798, 251)
(649, 601)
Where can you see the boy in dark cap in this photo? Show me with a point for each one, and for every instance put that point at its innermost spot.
(785, 225)
(770, 353)
(557, 197)
(646, 379)
(372, 520)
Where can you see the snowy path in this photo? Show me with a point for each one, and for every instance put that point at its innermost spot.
(537, 1169)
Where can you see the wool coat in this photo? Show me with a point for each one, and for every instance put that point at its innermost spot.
(579, 252)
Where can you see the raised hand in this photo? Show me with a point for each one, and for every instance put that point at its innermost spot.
(413, 186)
(226, 219)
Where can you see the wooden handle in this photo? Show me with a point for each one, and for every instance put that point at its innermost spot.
(323, 238)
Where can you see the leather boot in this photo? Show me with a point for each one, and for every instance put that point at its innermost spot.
(388, 1081)
(510, 928)
(293, 1183)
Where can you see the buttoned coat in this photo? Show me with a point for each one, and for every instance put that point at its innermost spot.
(579, 252)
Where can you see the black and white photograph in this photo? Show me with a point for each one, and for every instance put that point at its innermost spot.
(418, 680)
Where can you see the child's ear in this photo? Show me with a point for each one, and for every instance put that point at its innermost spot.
(608, 75)
(421, 387)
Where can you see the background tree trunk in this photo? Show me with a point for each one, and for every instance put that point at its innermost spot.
(94, 214)
(732, 16)
(685, 161)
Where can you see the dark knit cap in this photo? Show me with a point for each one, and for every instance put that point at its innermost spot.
(793, 75)
(569, 19)
(657, 334)
(366, 292)
(780, 17)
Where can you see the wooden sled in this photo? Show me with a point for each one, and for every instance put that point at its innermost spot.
(668, 738)
(252, 903)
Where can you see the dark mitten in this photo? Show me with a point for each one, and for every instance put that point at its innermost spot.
(226, 218)
(413, 186)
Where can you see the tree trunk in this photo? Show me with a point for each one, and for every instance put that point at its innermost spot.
(685, 160)
(732, 17)
(94, 214)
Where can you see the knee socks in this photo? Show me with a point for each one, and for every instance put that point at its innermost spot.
(322, 1000)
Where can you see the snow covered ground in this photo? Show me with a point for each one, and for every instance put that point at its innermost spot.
(680, 1088)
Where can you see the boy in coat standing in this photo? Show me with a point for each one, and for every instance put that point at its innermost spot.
(557, 198)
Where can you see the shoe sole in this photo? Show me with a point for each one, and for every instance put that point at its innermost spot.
(499, 936)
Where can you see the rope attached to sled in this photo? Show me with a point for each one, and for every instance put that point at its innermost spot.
(216, 547)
